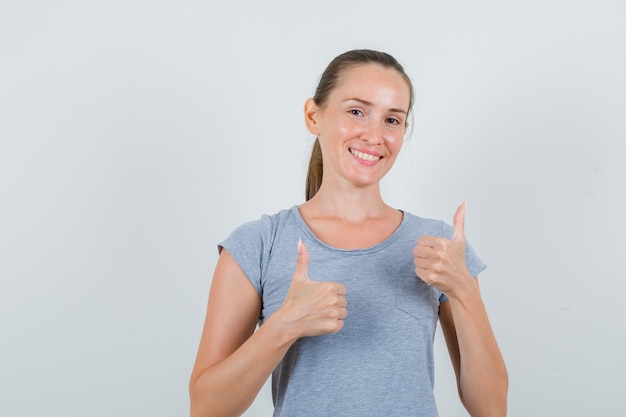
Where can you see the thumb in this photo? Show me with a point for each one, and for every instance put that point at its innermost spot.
(302, 266)
(459, 222)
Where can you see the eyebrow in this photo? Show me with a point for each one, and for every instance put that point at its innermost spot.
(367, 103)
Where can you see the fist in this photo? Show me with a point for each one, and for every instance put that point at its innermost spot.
(440, 262)
(313, 308)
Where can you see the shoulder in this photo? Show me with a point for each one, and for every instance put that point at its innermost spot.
(426, 226)
(260, 231)
(251, 244)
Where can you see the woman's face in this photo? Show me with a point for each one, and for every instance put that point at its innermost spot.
(362, 124)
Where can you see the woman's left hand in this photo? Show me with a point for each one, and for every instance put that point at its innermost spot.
(440, 262)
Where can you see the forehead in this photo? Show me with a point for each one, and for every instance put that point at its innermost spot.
(373, 82)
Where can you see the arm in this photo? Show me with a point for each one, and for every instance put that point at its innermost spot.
(480, 371)
(481, 374)
(234, 361)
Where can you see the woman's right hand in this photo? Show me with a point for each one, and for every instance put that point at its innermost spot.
(312, 308)
(234, 360)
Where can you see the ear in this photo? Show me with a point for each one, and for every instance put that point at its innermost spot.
(310, 116)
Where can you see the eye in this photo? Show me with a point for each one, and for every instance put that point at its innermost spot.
(355, 112)
(393, 121)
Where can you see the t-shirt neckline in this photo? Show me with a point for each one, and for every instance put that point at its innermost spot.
(295, 211)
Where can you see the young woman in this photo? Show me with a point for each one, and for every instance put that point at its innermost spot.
(299, 272)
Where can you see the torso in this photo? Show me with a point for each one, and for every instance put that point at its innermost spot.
(383, 358)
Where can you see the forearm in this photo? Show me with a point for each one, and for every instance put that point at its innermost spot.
(229, 387)
(483, 379)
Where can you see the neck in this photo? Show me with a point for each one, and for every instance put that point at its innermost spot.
(352, 205)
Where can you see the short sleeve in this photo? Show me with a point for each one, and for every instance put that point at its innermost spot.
(249, 244)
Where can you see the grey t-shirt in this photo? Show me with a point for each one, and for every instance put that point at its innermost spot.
(381, 362)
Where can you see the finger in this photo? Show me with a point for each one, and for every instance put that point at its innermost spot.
(429, 244)
(422, 264)
(340, 289)
(429, 241)
(421, 252)
(459, 222)
(302, 266)
(342, 302)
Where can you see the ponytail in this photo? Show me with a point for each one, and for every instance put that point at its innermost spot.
(314, 174)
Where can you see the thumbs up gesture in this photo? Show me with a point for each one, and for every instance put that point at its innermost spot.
(313, 308)
(440, 262)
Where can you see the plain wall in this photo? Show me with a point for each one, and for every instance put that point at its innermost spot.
(135, 135)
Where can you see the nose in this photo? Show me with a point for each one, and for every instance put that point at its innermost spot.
(373, 133)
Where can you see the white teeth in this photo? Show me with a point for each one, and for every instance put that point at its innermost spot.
(365, 156)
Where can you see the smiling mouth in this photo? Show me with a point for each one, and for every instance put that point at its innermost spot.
(365, 156)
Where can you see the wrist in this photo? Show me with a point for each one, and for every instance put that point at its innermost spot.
(282, 329)
(466, 293)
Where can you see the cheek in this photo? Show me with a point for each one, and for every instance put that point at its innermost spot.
(394, 140)
(347, 127)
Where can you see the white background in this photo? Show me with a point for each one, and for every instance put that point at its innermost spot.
(135, 135)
